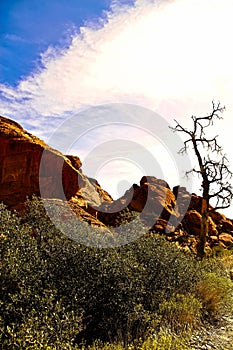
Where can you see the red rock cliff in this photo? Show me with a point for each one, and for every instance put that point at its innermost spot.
(22, 174)
(29, 166)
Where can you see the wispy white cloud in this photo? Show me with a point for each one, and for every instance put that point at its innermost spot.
(171, 56)
(149, 54)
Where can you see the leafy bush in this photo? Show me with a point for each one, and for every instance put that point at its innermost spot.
(51, 328)
(58, 294)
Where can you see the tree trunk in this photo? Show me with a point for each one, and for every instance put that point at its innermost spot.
(204, 229)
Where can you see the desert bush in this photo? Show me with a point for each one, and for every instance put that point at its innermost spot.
(50, 328)
(33, 313)
(215, 293)
(226, 262)
(162, 341)
(60, 294)
(181, 313)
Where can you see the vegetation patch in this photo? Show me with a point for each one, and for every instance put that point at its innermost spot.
(57, 294)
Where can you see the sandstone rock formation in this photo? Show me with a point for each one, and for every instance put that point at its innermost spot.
(153, 199)
(28, 166)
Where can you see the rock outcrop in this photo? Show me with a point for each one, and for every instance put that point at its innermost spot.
(153, 199)
(28, 166)
(220, 228)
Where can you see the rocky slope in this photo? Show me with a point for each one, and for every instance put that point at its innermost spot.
(28, 166)
(210, 337)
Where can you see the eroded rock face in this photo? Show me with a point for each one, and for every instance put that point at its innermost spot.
(226, 239)
(192, 224)
(153, 199)
(75, 162)
(154, 195)
(28, 166)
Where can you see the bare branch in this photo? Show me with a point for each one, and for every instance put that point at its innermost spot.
(180, 128)
(185, 148)
(210, 144)
(214, 171)
(224, 197)
(213, 168)
(201, 123)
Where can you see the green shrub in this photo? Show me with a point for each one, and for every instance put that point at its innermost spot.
(51, 328)
(162, 341)
(58, 294)
(215, 293)
(181, 313)
(168, 341)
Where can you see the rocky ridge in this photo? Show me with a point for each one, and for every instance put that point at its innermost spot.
(28, 166)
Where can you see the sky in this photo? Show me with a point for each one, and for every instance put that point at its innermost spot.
(172, 57)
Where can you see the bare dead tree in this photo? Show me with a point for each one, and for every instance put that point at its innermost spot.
(213, 167)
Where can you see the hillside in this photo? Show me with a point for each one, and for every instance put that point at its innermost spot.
(146, 293)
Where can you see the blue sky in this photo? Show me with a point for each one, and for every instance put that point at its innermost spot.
(28, 27)
(60, 57)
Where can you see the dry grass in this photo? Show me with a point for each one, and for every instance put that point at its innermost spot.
(215, 294)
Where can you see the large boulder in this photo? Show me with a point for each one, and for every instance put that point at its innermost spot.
(192, 224)
(153, 199)
(226, 239)
(153, 196)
